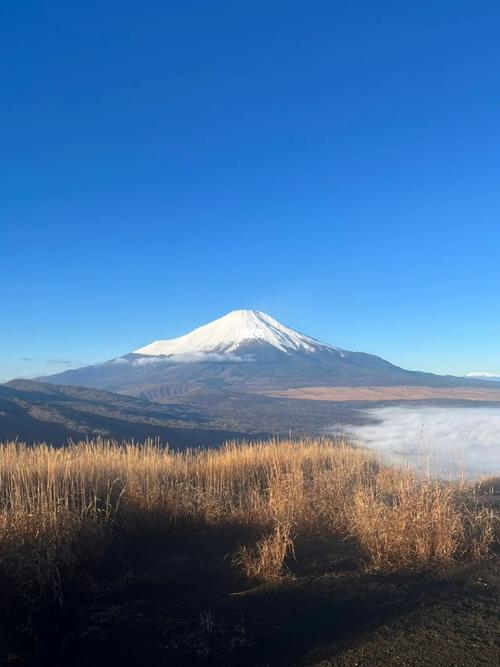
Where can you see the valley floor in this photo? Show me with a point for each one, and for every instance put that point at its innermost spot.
(389, 393)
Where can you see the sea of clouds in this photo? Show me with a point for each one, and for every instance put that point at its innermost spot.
(442, 440)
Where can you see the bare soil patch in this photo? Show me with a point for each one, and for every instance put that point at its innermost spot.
(180, 602)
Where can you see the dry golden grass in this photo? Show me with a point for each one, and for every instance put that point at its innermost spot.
(60, 508)
(266, 559)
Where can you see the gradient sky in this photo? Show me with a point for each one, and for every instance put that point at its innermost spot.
(334, 164)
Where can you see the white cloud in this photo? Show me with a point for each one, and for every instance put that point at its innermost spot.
(182, 358)
(482, 374)
(444, 439)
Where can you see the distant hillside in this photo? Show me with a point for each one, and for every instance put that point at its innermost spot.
(36, 412)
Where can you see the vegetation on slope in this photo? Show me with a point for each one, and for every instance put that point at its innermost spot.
(62, 508)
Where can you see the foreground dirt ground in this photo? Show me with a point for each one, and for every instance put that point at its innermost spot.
(183, 603)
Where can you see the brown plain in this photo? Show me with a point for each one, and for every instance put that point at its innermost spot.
(381, 393)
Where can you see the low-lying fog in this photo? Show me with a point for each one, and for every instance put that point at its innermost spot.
(442, 440)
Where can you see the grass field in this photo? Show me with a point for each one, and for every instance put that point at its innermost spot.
(66, 512)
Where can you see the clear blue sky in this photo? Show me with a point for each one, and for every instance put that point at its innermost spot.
(335, 164)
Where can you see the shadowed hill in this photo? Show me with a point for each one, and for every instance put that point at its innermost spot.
(36, 412)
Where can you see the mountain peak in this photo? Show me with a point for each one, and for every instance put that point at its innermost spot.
(230, 332)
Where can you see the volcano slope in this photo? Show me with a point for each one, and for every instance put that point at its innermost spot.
(248, 352)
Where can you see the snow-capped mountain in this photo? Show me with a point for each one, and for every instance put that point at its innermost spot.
(244, 351)
(230, 333)
(484, 375)
(242, 375)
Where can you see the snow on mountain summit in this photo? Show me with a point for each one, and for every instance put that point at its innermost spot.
(228, 333)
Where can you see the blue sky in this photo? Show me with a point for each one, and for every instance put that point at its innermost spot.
(334, 164)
